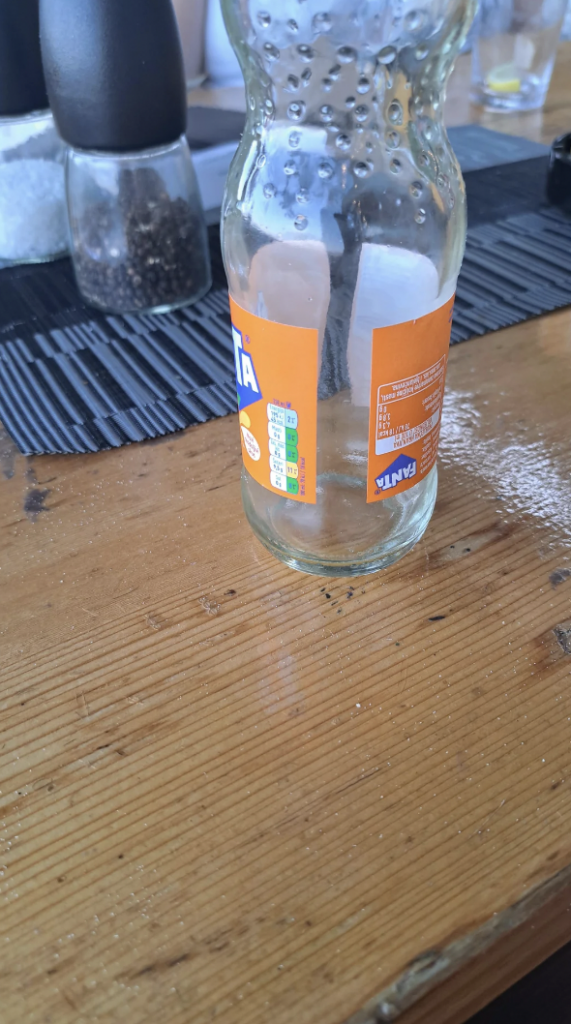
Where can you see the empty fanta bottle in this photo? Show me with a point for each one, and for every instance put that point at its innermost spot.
(343, 232)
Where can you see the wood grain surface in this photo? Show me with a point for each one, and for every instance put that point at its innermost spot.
(230, 792)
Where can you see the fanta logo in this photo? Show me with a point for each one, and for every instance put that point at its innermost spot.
(401, 469)
(246, 380)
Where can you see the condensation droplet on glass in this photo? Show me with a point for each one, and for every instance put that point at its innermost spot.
(369, 147)
(395, 166)
(395, 112)
(421, 51)
(303, 195)
(306, 76)
(269, 107)
(398, 202)
(392, 139)
(420, 216)
(425, 159)
(327, 84)
(322, 22)
(387, 55)
(361, 113)
(289, 167)
(252, 103)
(350, 102)
(294, 139)
(326, 113)
(296, 110)
(389, 80)
(416, 189)
(442, 181)
(264, 19)
(325, 171)
(346, 54)
(343, 141)
(427, 131)
(261, 160)
(361, 169)
(292, 85)
(271, 51)
(334, 72)
(269, 190)
(305, 52)
(363, 85)
(300, 223)
(292, 25)
(414, 20)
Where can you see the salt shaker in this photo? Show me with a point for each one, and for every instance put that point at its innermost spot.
(115, 80)
(33, 218)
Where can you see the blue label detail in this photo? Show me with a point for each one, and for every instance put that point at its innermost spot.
(246, 381)
(401, 469)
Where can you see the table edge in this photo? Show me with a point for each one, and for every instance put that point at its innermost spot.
(428, 972)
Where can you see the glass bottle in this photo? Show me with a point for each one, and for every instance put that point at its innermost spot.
(138, 234)
(117, 89)
(344, 216)
(33, 217)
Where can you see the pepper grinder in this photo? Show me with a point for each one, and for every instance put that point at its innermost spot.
(33, 218)
(115, 79)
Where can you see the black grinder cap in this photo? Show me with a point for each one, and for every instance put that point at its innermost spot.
(22, 85)
(114, 72)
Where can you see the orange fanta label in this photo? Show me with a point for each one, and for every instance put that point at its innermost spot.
(407, 391)
(276, 380)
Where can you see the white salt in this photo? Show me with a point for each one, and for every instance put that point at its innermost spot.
(33, 216)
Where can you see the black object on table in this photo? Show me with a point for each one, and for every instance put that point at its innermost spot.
(559, 174)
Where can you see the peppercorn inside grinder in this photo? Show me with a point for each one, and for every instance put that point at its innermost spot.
(115, 80)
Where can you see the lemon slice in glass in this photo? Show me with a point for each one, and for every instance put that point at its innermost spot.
(504, 78)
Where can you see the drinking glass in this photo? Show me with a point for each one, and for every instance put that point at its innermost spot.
(514, 50)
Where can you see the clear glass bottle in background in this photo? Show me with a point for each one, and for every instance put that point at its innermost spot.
(33, 217)
(343, 233)
(191, 15)
(513, 52)
(221, 65)
(138, 234)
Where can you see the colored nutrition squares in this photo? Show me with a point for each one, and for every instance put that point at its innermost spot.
(282, 431)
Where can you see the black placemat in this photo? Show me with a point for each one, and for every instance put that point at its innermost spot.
(74, 380)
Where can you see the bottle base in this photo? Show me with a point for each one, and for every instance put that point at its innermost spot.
(347, 556)
(129, 308)
(320, 567)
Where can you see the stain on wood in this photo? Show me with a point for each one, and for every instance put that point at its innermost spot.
(34, 502)
(559, 576)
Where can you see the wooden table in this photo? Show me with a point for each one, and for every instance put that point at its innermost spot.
(229, 792)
